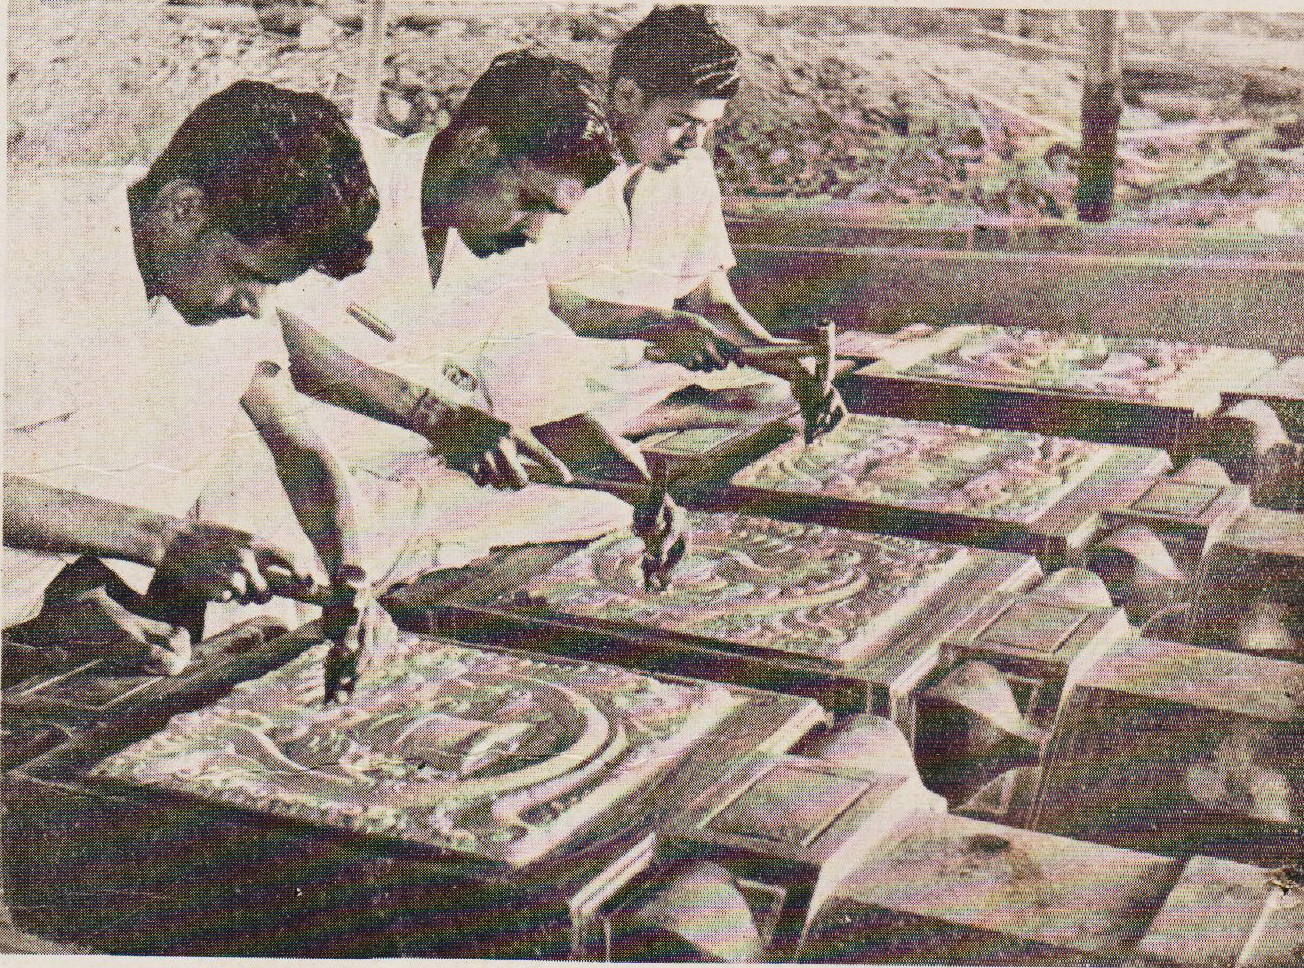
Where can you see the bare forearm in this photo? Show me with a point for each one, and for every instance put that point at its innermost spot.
(599, 319)
(323, 501)
(323, 370)
(714, 301)
(42, 518)
(317, 483)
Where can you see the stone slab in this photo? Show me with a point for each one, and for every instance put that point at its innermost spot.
(462, 750)
(157, 871)
(804, 813)
(1038, 642)
(852, 619)
(814, 591)
(1114, 389)
(1282, 388)
(68, 689)
(784, 827)
(991, 488)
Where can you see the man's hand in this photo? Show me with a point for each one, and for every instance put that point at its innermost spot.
(491, 450)
(357, 627)
(687, 339)
(663, 526)
(82, 617)
(211, 562)
(822, 407)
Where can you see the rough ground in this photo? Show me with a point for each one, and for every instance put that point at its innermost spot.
(877, 106)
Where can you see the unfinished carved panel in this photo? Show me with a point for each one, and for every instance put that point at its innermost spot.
(1176, 499)
(1130, 369)
(1035, 626)
(693, 442)
(1000, 474)
(793, 587)
(468, 751)
(789, 805)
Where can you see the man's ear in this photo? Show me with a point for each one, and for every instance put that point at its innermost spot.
(475, 148)
(627, 98)
(181, 207)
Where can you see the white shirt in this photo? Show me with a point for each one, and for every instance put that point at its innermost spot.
(653, 251)
(394, 286)
(530, 366)
(669, 239)
(106, 392)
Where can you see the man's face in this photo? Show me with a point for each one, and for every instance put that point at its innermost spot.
(213, 275)
(511, 206)
(662, 129)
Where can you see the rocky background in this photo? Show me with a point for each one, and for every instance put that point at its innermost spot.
(945, 112)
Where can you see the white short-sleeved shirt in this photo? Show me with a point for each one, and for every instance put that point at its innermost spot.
(106, 392)
(394, 286)
(669, 239)
(651, 252)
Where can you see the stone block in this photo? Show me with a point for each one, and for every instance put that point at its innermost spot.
(948, 890)
(777, 832)
(1042, 637)
(1181, 750)
(1222, 914)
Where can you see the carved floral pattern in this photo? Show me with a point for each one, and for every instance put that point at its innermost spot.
(1000, 474)
(1131, 369)
(798, 588)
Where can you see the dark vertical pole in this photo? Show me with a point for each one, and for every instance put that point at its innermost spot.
(1102, 106)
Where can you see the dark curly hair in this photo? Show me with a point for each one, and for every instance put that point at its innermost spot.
(677, 52)
(277, 163)
(543, 109)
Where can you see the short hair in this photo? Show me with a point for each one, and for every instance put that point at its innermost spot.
(542, 109)
(677, 52)
(277, 163)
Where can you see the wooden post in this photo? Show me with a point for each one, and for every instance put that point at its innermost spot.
(1013, 22)
(366, 105)
(1102, 106)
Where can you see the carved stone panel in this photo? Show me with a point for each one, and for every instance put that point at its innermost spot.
(797, 588)
(1137, 370)
(938, 468)
(470, 752)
